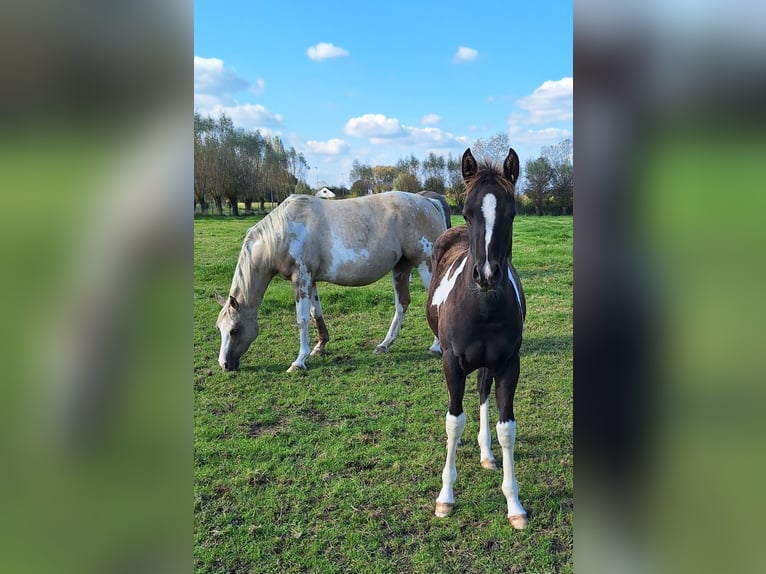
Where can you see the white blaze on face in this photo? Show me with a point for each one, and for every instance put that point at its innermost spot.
(488, 209)
(224, 348)
(447, 283)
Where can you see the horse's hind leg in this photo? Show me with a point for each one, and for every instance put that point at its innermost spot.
(401, 280)
(316, 312)
(485, 436)
(505, 389)
(425, 277)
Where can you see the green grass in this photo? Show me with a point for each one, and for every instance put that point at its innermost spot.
(337, 468)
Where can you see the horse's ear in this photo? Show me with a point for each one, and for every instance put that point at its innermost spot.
(233, 302)
(511, 166)
(468, 164)
(221, 300)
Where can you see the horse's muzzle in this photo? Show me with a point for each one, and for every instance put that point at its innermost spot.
(229, 365)
(487, 281)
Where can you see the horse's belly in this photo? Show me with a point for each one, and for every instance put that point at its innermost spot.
(353, 268)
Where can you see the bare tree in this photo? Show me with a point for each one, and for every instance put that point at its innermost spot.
(493, 149)
(559, 157)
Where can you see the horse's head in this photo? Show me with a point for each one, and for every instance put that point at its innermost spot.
(238, 330)
(489, 209)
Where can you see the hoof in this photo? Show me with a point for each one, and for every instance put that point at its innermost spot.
(295, 367)
(519, 521)
(443, 509)
(320, 352)
(489, 464)
(380, 349)
(435, 352)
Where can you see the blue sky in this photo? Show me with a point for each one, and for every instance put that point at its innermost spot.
(379, 81)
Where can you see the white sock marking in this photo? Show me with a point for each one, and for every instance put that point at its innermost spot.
(485, 437)
(506, 436)
(454, 426)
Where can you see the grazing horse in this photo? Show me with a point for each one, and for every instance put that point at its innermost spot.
(349, 242)
(476, 308)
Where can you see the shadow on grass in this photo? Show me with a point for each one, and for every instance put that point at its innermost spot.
(546, 345)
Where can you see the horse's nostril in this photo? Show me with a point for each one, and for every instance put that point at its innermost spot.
(476, 274)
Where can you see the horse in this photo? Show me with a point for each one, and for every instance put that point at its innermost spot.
(442, 201)
(350, 242)
(476, 308)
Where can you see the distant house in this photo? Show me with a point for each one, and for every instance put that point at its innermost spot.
(325, 193)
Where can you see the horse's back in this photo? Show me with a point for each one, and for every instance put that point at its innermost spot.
(358, 240)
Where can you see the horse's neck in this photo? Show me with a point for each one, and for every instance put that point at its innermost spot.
(251, 278)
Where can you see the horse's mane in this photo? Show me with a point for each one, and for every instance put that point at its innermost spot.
(269, 231)
(488, 173)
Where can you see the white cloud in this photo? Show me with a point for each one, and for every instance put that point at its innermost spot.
(546, 114)
(373, 126)
(214, 87)
(258, 87)
(465, 54)
(545, 136)
(383, 131)
(551, 102)
(325, 50)
(430, 119)
(211, 77)
(333, 146)
(248, 116)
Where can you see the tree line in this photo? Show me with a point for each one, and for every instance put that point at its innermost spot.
(232, 165)
(546, 184)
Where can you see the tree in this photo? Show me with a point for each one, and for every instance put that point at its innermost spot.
(559, 157)
(410, 165)
(493, 149)
(202, 172)
(383, 177)
(456, 189)
(433, 172)
(363, 178)
(434, 183)
(537, 183)
(405, 181)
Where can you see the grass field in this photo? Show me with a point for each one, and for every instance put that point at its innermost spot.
(337, 468)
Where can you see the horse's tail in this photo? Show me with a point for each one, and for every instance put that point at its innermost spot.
(440, 202)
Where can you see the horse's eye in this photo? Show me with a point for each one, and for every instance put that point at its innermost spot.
(234, 332)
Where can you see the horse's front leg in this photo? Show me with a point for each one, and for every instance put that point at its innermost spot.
(425, 276)
(454, 425)
(400, 277)
(316, 312)
(302, 290)
(505, 389)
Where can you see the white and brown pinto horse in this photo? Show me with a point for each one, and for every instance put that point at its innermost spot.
(476, 308)
(349, 242)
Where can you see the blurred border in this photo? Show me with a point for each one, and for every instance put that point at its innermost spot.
(95, 402)
(669, 391)
(95, 171)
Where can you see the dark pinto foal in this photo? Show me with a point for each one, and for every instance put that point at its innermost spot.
(476, 308)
